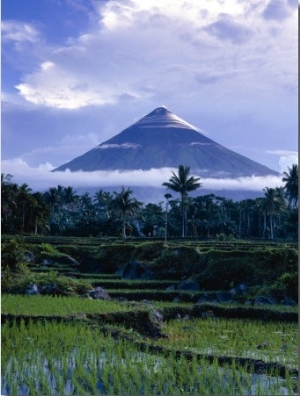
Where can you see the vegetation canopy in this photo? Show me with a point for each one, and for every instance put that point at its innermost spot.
(61, 211)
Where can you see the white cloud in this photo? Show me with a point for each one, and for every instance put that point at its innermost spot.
(253, 183)
(41, 178)
(120, 146)
(286, 159)
(18, 32)
(140, 50)
(276, 10)
(56, 86)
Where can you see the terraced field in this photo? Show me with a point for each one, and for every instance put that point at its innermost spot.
(150, 337)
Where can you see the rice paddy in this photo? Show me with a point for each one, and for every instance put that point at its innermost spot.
(60, 305)
(268, 341)
(69, 345)
(66, 359)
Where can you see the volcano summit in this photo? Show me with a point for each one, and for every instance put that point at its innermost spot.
(161, 139)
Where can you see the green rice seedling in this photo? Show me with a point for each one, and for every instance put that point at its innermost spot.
(48, 305)
(245, 338)
(90, 363)
(60, 383)
(105, 377)
(44, 387)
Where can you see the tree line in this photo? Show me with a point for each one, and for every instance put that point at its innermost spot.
(61, 211)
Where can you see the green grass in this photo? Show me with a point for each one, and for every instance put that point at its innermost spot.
(105, 277)
(137, 284)
(48, 305)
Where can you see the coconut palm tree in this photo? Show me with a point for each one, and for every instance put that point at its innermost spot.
(183, 183)
(125, 205)
(40, 212)
(24, 199)
(85, 202)
(69, 197)
(102, 200)
(273, 204)
(246, 208)
(291, 185)
(53, 197)
(9, 192)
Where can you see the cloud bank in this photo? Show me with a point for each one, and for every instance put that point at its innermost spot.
(41, 178)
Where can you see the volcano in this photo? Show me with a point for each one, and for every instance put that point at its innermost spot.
(161, 139)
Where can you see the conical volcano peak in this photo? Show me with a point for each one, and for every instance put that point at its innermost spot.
(160, 110)
(161, 139)
(161, 117)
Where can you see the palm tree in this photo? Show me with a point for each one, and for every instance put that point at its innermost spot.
(102, 200)
(273, 205)
(124, 204)
(85, 202)
(24, 198)
(291, 185)
(246, 208)
(40, 212)
(183, 183)
(9, 192)
(69, 197)
(52, 198)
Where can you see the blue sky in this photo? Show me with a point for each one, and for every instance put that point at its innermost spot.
(77, 72)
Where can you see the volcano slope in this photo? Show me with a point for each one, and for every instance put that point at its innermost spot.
(161, 139)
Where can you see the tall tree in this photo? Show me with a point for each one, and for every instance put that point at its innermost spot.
(25, 200)
(291, 185)
(69, 197)
(9, 192)
(183, 183)
(52, 198)
(102, 200)
(39, 212)
(273, 204)
(246, 208)
(124, 204)
(153, 218)
(85, 201)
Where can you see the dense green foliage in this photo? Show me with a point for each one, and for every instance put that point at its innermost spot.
(268, 268)
(60, 211)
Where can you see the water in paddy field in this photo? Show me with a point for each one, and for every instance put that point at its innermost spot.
(100, 374)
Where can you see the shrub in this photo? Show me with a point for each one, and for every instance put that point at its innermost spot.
(286, 286)
(12, 255)
(46, 248)
(148, 251)
(223, 269)
(108, 258)
(46, 251)
(58, 285)
(174, 263)
(273, 262)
